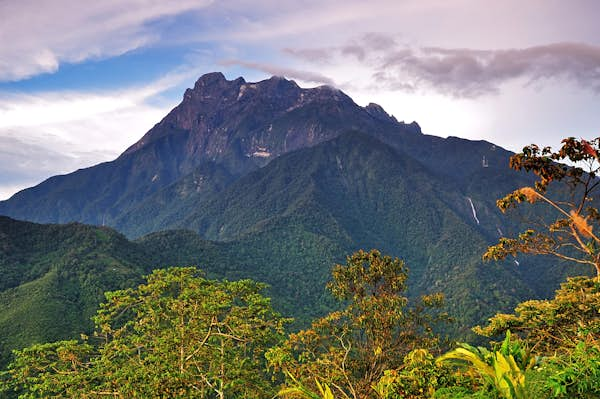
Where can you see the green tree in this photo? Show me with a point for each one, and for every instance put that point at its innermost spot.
(565, 331)
(178, 335)
(53, 370)
(570, 235)
(349, 350)
(557, 324)
(576, 374)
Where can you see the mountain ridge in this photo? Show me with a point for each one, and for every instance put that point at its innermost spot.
(217, 121)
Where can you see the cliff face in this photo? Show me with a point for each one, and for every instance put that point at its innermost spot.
(261, 120)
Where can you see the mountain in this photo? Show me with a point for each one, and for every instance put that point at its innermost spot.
(221, 130)
(272, 182)
(288, 222)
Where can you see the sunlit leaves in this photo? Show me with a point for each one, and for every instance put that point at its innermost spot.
(556, 324)
(503, 368)
(570, 236)
(178, 335)
(349, 350)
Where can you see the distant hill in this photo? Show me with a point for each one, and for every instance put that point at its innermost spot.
(55, 276)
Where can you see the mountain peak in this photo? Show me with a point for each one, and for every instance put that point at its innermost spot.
(276, 78)
(213, 81)
(414, 127)
(377, 111)
(278, 84)
(210, 78)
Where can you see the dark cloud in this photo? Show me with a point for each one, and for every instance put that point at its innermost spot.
(360, 49)
(465, 72)
(470, 73)
(289, 73)
(355, 50)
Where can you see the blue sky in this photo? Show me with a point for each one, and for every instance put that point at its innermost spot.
(80, 81)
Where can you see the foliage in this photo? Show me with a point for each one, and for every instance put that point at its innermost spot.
(53, 370)
(565, 330)
(178, 335)
(576, 374)
(58, 272)
(350, 349)
(419, 376)
(570, 236)
(503, 368)
(557, 324)
(459, 392)
(182, 335)
(298, 390)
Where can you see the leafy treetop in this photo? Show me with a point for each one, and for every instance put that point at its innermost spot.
(350, 349)
(178, 335)
(570, 235)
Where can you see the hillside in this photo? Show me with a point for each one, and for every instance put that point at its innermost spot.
(54, 276)
(288, 222)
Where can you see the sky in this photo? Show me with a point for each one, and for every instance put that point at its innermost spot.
(81, 80)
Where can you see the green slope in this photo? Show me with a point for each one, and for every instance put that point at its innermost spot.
(288, 222)
(54, 276)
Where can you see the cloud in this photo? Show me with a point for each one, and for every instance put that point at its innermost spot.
(31, 152)
(37, 36)
(290, 73)
(267, 20)
(313, 55)
(462, 72)
(24, 163)
(51, 133)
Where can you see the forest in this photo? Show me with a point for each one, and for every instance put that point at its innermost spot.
(180, 334)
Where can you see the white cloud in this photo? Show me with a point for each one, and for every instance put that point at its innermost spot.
(37, 36)
(289, 73)
(51, 133)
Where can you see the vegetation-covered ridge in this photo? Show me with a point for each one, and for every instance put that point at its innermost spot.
(54, 276)
(181, 334)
